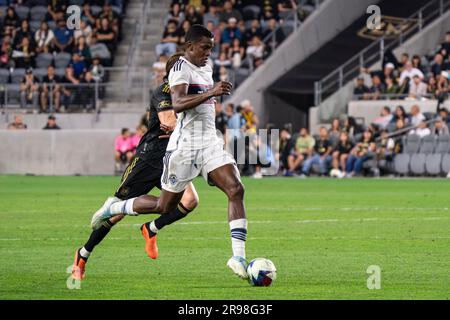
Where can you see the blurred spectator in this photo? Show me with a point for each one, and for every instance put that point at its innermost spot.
(224, 74)
(255, 50)
(440, 127)
(385, 118)
(416, 116)
(443, 113)
(159, 71)
(432, 86)
(70, 88)
(230, 33)
(97, 70)
(251, 119)
(87, 92)
(404, 59)
(43, 37)
(221, 118)
(123, 149)
(410, 72)
(175, 14)
(391, 86)
(6, 53)
(105, 34)
(417, 88)
(192, 15)
(236, 53)
(446, 44)
(342, 151)
(50, 89)
(361, 89)
(229, 12)
(442, 87)
(63, 40)
(84, 31)
(185, 26)
(24, 54)
(400, 114)
(222, 61)
(11, 21)
(169, 41)
(377, 87)
(56, 9)
(99, 49)
(212, 15)
(362, 152)
(51, 124)
(285, 8)
(277, 37)
(321, 155)
(438, 65)
(23, 32)
(29, 90)
(82, 50)
(422, 130)
(270, 9)
(304, 146)
(335, 130)
(111, 17)
(17, 124)
(416, 62)
(286, 144)
(136, 137)
(254, 30)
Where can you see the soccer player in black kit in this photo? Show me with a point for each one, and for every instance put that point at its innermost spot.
(141, 176)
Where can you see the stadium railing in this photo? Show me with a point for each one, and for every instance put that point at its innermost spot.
(375, 52)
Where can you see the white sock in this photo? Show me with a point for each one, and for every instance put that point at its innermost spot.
(153, 228)
(125, 207)
(84, 253)
(238, 229)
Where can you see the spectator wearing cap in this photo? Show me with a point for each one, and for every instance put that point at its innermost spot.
(229, 12)
(51, 89)
(230, 33)
(440, 127)
(17, 124)
(361, 90)
(29, 90)
(417, 88)
(63, 40)
(51, 123)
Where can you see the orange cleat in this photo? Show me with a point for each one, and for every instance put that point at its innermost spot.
(150, 242)
(78, 267)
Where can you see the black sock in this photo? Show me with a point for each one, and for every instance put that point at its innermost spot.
(165, 219)
(98, 235)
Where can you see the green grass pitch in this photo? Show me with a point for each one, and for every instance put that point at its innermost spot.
(322, 235)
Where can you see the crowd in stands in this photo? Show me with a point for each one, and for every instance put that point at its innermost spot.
(46, 61)
(412, 77)
(125, 145)
(245, 32)
(18, 124)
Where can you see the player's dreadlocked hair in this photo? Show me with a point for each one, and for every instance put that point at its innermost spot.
(171, 61)
(196, 32)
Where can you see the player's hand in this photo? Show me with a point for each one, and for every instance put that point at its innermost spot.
(167, 129)
(222, 88)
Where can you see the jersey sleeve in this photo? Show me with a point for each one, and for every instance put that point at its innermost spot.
(179, 74)
(163, 101)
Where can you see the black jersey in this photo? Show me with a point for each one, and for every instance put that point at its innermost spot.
(151, 147)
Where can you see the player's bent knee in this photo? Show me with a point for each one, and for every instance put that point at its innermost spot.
(236, 192)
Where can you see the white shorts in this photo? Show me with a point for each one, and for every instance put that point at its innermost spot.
(183, 166)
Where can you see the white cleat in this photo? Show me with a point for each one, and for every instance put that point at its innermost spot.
(239, 266)
(103, 213)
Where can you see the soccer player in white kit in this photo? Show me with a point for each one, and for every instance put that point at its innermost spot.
(194, 148)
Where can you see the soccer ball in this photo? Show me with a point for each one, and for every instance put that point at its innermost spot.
(261, 272)
(336, 173)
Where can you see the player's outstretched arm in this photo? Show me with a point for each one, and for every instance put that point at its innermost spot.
(182, 101)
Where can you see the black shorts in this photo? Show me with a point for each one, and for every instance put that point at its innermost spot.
(139, 178)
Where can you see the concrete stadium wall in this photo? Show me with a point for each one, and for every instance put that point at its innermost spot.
(57, 152)
(78, 121)
(326, 22)
(421, 43)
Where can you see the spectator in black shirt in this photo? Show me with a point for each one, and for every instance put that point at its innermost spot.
(88, 92)
(50, 88)
(24, 54)
(23, 32)
(51, 123)
(254, 30)
(269, 9)
(342, 151)
(221, 119)
(361, 90)
(105, 34)
(322, 153)
(70, 89)
(11, 21)
(169, 41)
(446, 44)
(278, 37)
(229, 12)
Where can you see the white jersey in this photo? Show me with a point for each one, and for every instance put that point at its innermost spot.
(196, 127)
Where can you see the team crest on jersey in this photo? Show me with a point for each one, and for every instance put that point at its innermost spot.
(173, 179)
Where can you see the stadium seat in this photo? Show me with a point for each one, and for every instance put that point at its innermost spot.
(428, 115)
(17, 75)
(418, 163)
(22, 12)
(95, 10)
(35, 25)
(411, 143)
(76, 2)
(62, 59)
(51, 24)
(433, 164)
(4, 76)
(40, 73)
(34, 3)
(428, 144)
(43, 60)
(401, 163)
(251, 12)
(117, 10)
(241, 75)
(443, 144)
(446, 163)
(13, 92)
(60, 72)
(38, 13)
